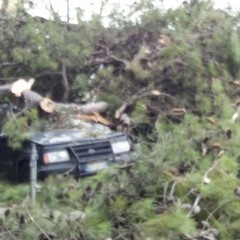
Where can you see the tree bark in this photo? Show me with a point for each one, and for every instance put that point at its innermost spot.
(87, 109)
(31, 99)
(65, 83)
(5, 89)
(68, 11)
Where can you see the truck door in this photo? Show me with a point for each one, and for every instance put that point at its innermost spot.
(6, 154)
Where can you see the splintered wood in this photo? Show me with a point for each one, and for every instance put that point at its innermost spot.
(95, 117)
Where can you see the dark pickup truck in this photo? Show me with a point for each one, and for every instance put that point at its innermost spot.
(61, 151)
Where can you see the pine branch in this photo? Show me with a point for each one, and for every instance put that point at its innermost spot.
(9, 232)
(37, 225)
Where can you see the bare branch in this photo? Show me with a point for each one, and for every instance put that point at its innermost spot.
(68, 11)
(205, 178)
(9, 232)
(8, 64)
(37, 225)
(112, 56)
(65, 82)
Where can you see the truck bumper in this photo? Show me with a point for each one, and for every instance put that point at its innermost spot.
(80, 169)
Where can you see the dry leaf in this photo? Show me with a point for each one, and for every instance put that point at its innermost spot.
(164, 40)
(216, 145)
(211, 120)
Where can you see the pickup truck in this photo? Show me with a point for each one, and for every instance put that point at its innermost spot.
(65, 151)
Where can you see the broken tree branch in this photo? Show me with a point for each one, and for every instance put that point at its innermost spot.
(65, 82)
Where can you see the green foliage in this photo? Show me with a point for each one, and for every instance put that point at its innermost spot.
(139, 112)
(222, 104)
(82, 83)
(12, 194)
(170, 225)
(142, 210)
(113, 101)
(96, 226)
(18, 128)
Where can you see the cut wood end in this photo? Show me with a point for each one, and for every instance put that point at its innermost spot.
(21, 85)
(47, 105)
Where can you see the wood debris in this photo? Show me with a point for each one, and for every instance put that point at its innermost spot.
(211, 120)
(95, 117)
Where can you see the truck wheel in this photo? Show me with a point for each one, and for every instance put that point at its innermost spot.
(24, 171)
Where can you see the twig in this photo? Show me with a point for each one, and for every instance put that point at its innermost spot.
(112, 56)
(65, 82)
(37, 225)
(218, 207)
(215, 163)
(68, 11)
(101, 8)
(5, 226)
(173, 189)
(170, 196)
(120, 236)
(197, 200)
(165, 194)
(8, 64)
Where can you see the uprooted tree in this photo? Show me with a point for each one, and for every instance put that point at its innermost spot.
(171, 75)
(158, 65)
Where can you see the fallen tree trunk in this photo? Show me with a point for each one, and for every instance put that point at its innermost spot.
(25, 99)
(87, 109)
(5, 89)
(31, 99)
(21, 88)
(16, 88)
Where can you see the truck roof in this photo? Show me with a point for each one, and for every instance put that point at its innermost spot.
(68, 136)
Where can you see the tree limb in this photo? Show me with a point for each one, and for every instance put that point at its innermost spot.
(68, 11)
(65, 82)
(8, 64)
